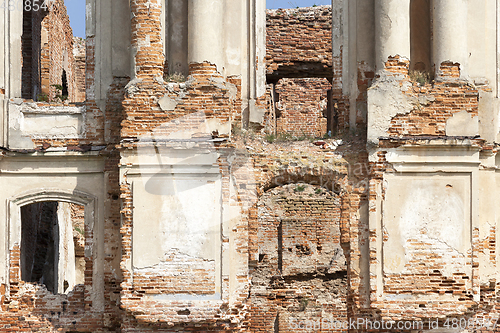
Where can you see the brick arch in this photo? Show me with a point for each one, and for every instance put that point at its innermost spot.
(326, 177)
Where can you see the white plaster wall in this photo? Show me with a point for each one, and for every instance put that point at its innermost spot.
(11, 28)
(256, 22)
(392, 30)
(385, 100)
(482, 40)
(205, 37)
(449, 31)
(177, 203)
(260, 47)
(113, 53)
(337, 27)
(487, 221)
(27, 121)
(432, 209)
(14, 61)
(233, 23)
(3, 50)
(176, 213)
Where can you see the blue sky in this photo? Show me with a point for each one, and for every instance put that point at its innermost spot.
(76, 10)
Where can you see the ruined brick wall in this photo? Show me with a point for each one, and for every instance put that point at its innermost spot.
(299, 45)
(443, 99)
(30, 306)
(431, 269)
(302, 234)
(79, 56)
(200, 93)
(301, 269)
(58, 47)
(432, 104)
(299, 42)
(156, 111)
(303, 106)
(47, 51)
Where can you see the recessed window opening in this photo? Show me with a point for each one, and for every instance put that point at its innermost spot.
(52, 245)
(420, 35)
(176, 40)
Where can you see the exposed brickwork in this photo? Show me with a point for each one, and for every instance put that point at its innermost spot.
(299, 45)
(304, 211)
(37, 309)
(200, 93)
(299, 42)
(443, 98)
(205, 96)
(57, 54)
(300, 272)
(302, 107)
(436, 287)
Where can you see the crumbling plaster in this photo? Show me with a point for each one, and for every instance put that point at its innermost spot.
(193, 225)
(387, 99)
(77, 179)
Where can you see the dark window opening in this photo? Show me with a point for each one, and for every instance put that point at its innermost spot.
(52, 245)
(31, 47)
(280, 247)
(64, 81)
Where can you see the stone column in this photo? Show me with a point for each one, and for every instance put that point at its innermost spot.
(392, 30)
(450, 33)
(205, 32)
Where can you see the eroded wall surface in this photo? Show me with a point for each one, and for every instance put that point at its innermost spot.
(432, 238)
(184, 218)
(301, 269)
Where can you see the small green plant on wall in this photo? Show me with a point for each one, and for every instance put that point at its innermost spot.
(420, 77)
(42, 98)
(59, 95)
